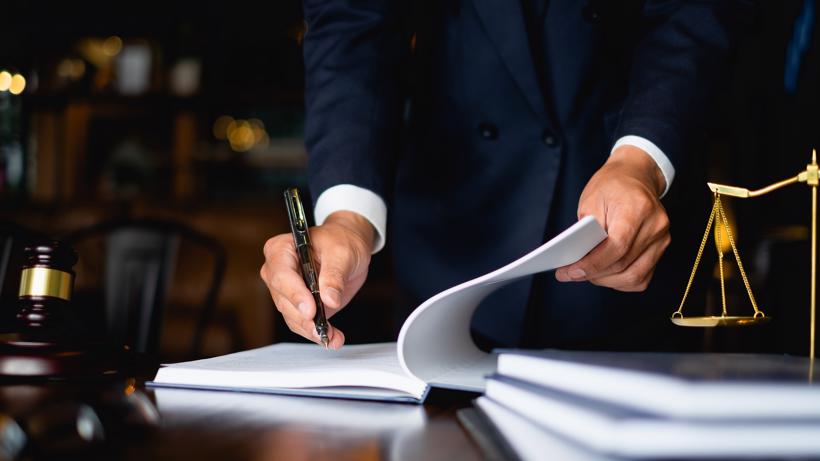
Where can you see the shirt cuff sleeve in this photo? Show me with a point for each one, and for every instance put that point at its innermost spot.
(654, 151)
(359, 200)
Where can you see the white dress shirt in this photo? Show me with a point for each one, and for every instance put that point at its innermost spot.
(367, 203)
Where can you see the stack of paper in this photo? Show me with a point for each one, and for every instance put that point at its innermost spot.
(654, 405)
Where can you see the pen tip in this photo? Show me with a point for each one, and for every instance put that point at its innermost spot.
(325, 342)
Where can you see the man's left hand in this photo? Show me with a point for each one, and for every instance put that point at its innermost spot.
(623, 196)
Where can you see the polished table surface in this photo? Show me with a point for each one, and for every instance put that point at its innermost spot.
(142, 423)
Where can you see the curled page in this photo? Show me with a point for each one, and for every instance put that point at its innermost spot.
(435, 345)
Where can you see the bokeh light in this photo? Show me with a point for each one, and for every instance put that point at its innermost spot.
(71, 69)
(240, 136)
(112, 46)
(220, 128)
(18, 84)
(5, 80)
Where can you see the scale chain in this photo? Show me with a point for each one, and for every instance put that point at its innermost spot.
(718, 245)
(719, 213)
(739, 263)
(697, 260)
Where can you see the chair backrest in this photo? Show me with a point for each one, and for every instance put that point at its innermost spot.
(140, 259)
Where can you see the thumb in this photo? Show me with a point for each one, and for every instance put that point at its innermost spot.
(593, 205)
(333, 276)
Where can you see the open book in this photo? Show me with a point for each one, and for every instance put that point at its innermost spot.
(434, 346)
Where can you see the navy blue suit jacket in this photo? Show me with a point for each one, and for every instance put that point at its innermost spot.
(480, 158)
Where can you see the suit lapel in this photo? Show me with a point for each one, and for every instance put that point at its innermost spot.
(504, 23)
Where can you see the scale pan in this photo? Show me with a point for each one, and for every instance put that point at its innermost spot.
(718, 321)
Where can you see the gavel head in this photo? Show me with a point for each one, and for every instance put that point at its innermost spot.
(46, 284)
(53, 254)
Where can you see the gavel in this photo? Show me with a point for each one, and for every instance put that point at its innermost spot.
(47, 339)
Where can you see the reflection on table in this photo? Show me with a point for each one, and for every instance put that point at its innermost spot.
(132, 422)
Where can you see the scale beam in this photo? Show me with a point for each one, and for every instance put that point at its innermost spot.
(742, 192)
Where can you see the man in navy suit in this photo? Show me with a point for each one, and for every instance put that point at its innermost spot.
(486, 126)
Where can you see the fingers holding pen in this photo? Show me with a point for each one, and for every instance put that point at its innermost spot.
(299, 317)
(293, 300)
(341, 248)
(306, 328)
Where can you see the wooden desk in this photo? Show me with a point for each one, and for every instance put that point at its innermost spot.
(204, 425)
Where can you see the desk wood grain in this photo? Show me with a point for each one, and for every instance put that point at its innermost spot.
(207, 425)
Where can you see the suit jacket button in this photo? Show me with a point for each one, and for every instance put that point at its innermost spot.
(590, 14)
(488, 131)
(549, 139)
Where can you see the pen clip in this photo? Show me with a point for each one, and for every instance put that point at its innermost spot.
(296, 216)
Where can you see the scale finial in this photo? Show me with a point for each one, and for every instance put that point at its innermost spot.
(814, 156)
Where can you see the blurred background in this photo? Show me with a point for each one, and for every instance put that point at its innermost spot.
(178, 125)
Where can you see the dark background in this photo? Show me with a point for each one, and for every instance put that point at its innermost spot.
(75, 149)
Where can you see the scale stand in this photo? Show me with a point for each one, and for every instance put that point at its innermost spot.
(808, 176)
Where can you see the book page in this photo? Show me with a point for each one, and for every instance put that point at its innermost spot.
(181, 406)
(435, 344)
(298, 366)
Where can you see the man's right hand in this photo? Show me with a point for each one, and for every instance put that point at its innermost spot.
(341, 250)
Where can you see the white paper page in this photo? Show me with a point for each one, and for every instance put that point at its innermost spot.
(696, 386)
(529, 441)
(626, 433)
(298, 366)
(181, 407)
(435, 344)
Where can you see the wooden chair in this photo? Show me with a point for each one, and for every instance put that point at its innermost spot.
(139, 260)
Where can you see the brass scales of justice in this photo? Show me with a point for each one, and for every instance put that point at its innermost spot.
(718, 218)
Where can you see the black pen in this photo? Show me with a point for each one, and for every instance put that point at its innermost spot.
(301, 239)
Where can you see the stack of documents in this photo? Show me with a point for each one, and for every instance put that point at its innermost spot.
(655, 405)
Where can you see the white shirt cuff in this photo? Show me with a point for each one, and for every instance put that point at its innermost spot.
(654, 151)
(359, 200)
